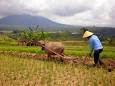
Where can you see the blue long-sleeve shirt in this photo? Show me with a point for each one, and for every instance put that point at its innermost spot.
(94, 43)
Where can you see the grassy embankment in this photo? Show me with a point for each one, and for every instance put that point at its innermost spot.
(76, 49)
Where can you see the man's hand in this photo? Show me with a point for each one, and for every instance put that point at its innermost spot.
(90, 54)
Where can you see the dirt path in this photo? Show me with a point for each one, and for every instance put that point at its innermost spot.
(110, 63)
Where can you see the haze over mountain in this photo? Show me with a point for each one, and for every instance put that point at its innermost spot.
(28, 20)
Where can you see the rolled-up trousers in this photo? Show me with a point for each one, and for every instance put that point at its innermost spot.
(96, 56)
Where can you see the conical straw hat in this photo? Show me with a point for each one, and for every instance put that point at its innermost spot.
(87, 34)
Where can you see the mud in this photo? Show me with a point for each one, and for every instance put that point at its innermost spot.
(110, 63)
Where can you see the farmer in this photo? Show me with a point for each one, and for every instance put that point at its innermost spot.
(95, 45)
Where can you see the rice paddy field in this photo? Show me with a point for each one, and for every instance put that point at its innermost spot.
(23, 70)
(15, 71)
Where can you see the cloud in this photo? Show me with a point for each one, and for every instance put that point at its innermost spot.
(98, 12)
(70, 7)
(76, 12)
(9, 7)
(112, 15)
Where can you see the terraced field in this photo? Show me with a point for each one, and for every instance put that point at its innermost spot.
(29, 66)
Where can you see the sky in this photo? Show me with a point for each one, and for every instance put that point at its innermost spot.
(73, 12)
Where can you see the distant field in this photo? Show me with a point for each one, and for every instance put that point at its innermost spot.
(34, 72)
(70, 49)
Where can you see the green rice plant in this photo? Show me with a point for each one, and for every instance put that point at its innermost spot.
(74, 50)
(31, 49)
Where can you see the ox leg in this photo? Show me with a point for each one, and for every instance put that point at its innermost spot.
(62, 52)
(61, 58)
(49, 56)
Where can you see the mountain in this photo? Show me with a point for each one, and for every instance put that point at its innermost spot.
(28, 20)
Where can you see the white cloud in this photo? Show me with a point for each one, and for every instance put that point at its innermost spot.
(70, 7)
(76, 12)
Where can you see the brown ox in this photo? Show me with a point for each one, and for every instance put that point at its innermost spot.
(53, 48)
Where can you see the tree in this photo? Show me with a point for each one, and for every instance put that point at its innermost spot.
(109, 40)
(33, 35)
